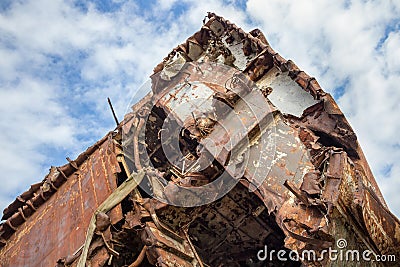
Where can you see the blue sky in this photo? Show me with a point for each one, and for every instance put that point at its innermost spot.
(60, 60)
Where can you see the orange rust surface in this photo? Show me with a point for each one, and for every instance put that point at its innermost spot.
(58, 227)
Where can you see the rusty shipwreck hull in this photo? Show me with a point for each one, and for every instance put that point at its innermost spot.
(305, 185)
(50, 221)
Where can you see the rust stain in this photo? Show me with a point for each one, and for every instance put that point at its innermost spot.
(61, 220)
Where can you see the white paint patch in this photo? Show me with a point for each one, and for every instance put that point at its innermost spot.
(185, 99)
(237, 51)
(279, 155)
(173, 67)
(286, 94)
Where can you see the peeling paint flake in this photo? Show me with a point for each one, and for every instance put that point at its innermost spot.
(286, 94)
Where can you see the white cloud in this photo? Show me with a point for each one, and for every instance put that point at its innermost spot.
(392, 53)
(166, 4)
(32, 118)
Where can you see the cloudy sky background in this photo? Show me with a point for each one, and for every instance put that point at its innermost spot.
(60, 60)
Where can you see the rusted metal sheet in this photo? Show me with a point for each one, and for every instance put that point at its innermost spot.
(57, 228)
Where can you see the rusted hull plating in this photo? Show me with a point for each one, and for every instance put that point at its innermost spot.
(57, 227)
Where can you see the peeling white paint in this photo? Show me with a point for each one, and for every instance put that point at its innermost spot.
(241, 59)
(188, 98)
(278, 156)
(286, 94)
(256, 163)
(172, 67)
